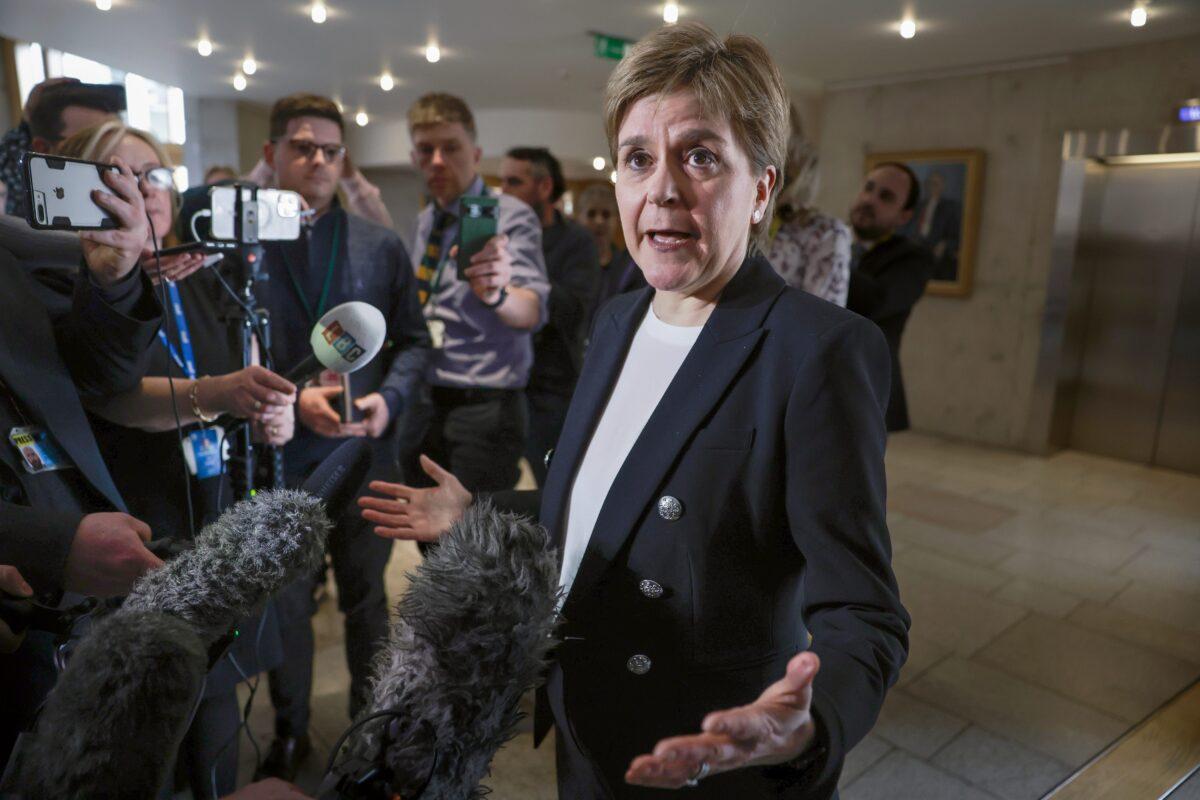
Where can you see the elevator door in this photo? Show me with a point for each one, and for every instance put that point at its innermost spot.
(1138, 393)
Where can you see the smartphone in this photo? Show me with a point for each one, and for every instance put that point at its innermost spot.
(278, 213)
(478, 216)
(59, 193)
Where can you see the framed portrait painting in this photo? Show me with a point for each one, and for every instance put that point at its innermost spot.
(946, 219)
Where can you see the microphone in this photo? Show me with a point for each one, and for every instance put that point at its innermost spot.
(251, 552)
(112, 725)
(345, 339)
(337, 479)
(472, 635)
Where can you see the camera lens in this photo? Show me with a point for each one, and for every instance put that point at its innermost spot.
(41, 214)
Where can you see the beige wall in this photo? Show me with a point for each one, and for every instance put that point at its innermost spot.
(969, 363)
(253, 126)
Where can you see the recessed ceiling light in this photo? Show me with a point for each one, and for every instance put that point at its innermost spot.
(1137, 17)
(671, 12)
(318, 12)
(433, 53)
(239, 82)
(361, 118)
(612, 176)
(249, 66)
(204, 47)
(385, 82)
(598, 163)
(908, 27)
(104, 5)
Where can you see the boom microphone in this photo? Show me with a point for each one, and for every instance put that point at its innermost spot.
(471, 637)
(112, 725)
(345, 339)
(251, 552)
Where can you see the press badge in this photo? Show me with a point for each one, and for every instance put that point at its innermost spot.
(204, 453)
(38, 449)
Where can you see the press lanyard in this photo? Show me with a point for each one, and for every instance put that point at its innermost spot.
(443, 257)
(333, 254)
(187, 362)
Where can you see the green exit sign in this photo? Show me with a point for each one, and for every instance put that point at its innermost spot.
(610, 46)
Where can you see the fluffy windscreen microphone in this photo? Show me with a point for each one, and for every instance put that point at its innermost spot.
(471, 637)
(249, 554)
(112, 725)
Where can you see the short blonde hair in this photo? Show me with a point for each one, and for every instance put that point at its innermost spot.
(436, 108)
(99, 142)
(799, 180)
(734, 78)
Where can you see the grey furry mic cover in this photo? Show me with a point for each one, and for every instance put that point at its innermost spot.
(112, 725)
(472, 635)
(251, 552)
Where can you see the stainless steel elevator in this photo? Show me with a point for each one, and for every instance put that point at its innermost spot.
(1127, 286)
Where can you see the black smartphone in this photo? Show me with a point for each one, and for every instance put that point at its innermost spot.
(477, 223)
(59, 193)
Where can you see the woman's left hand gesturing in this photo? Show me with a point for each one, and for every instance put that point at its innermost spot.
(775, 728)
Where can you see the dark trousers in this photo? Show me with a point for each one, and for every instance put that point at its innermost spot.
(26, 678)
(359, 559)
(547, 412)
(477, 434)
(209, 754)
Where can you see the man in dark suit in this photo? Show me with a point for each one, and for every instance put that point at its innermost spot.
(889, 272)
(64, 528)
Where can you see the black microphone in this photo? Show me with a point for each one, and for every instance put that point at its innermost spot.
(472, 635)
(251, 552)
(344, 339)
(112, 725)
(337, 479)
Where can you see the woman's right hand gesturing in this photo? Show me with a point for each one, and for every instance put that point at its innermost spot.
(421, 515)
(254, 393)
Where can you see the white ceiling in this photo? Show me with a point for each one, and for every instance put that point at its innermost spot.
(537, 53)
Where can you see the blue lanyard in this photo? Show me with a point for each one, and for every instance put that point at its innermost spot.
(188, 362)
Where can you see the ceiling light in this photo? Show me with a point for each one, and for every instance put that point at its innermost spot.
(104, 5)
(249, 66)
(318, 12)
(908, 28)
(386, 83)
(671, 13)
(204, 47)
(361, 118)
(1137, 17)
(612, 176)
(239, 82)
(598, 163)
(433, 54)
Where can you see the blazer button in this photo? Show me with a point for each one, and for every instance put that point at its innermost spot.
(669, 508)
(651, 589)
(638, 665)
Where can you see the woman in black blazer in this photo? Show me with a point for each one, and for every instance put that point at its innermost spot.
(718, 487)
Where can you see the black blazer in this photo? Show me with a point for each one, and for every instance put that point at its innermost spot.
(771, 438)
(88, 346)
(884, 287)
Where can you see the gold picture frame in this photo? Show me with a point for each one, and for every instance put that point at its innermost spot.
(949, 225)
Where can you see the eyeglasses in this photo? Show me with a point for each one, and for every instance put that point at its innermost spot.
(307, 149)
(158, 177)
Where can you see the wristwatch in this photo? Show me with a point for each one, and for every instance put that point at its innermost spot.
(499, 300)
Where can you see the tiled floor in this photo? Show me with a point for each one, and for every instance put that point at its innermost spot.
(1055, 602)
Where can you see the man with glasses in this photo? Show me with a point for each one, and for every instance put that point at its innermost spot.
(339, 257)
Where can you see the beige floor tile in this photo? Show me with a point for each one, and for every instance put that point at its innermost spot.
(915, 726)
(1108, 674)
(1088, 545)
(928, 562)
(1070, 576)
(1038, 597)
(948, 509)
(1173, 540)
(1180, 609)
(899, 776)
(923, 653)
(962, 546)
(1138, 629)
(860, 759)
(1166, 569)
(953, 616)
(1000, 766)
(1018, 710)
(519, 772)
(1146, 518)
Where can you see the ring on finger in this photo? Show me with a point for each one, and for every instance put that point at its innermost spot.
(700, 775)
